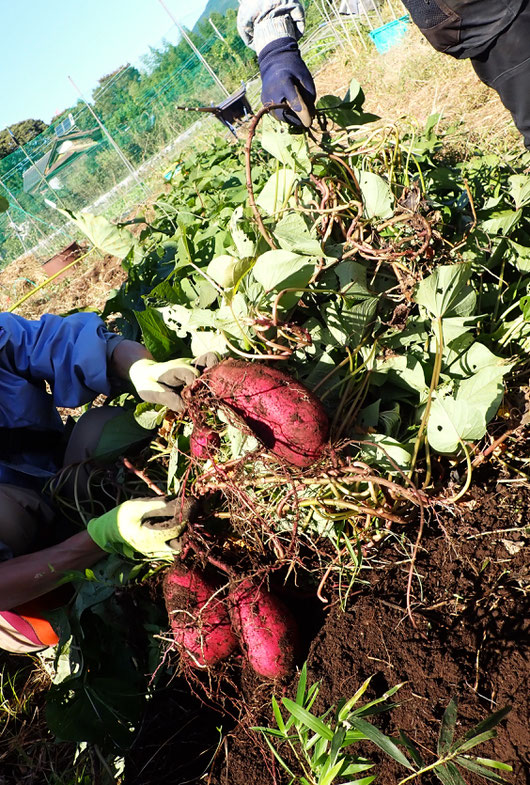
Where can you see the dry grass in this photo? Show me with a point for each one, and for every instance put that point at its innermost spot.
(414, 81)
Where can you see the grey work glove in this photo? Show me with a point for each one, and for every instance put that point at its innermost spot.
(162, 382)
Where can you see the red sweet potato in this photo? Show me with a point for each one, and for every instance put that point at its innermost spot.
(286, 417)
(200, 623)
(266, 628)
(204, 442)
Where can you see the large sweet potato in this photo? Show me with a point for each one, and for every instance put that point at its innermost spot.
(199, 620)
(286, 417)
(267, 630)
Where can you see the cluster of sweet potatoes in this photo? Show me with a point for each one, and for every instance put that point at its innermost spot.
(208, 626)
(207, 622)
(283, 414)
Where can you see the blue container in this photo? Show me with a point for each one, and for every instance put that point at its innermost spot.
(389, 35)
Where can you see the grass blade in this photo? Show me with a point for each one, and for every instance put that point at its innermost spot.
(278, 715)
(345, 710)
(494, 764)
(447, 728)
(411, 749)
(475, 767)
(308, 719)
(463, 746)
(302, 682)
(488, 723)
(280, 759)
(381, 741)
(330, 775)
(448, 774)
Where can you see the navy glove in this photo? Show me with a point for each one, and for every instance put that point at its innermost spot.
(285, 78)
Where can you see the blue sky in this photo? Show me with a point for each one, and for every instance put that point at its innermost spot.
(45, 41)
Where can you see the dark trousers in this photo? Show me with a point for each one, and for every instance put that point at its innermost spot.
(505, 66)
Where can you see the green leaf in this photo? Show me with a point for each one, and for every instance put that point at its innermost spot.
(301, 687)
(149, 415)
(293, 235)
(476, 768)
(494, 764)
(246, 246)
(519, 189)
(378, 199)
(278, 715)
(4, 204)
(464, 746)
(290, 149)
(350, 703)
(106, 237)
(118, 435)
(331, 774)
(380, 740)
(447, 728)
(161, 340)
(401, 371)
(449, 774)
(228, 270)
(277, 190)
(446, 291)
(92, 708)
(276, 270)
(501, 221)
(383, 448)
(490, 722)
(464, 416)
(309, 720)
(411, 749)
(348, 325)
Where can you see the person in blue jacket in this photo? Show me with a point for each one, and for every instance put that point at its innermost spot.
(493, 34)
(66, 362)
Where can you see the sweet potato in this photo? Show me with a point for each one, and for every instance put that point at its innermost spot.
(200, 623)
(204, 442)
(286, 417)
(266, 628)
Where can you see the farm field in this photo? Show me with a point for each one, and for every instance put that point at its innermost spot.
(384, 263)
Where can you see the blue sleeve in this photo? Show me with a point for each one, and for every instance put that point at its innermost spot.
(68, 352)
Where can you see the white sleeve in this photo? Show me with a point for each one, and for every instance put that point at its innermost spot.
(261, 21)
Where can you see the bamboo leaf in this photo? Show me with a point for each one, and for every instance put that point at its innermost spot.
(308, 719)
(489, 722)
(381, 741)
(278, 715)
(463, 746)
(475, 767)
(449, 775)
(411, 748)
(302, 681)
(447, 729)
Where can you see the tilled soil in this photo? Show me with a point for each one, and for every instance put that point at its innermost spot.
(469, 640)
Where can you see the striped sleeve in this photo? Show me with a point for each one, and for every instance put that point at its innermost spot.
(260, 22)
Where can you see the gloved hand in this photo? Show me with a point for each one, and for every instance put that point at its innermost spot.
(286, 78)
(145, 526)
(160, 382)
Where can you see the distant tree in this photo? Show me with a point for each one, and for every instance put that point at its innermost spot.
(24, 131)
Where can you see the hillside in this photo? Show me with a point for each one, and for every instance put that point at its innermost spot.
(215, 6)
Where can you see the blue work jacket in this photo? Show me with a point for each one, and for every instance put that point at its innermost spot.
(70, 353)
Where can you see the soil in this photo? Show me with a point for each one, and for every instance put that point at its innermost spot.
(469, 640)
(86, 285)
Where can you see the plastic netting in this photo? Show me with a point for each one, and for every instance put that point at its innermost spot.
(139, 130)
